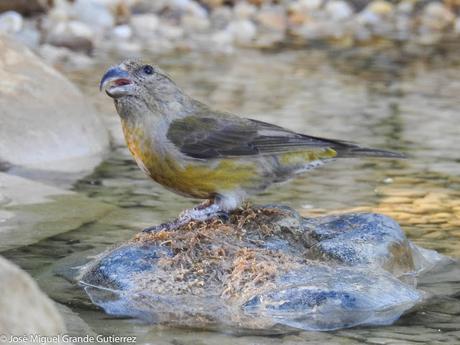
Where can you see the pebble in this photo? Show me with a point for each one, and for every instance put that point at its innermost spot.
(195, 23)
(339, 10)
(272, 18)
(64, 57)
(72, 34)
(244, 10)
(144, 24)
(223, 41)
(437, 16)
(93, 13)
(382, 8)
(311, 4)
(123, 32)
(214, 4)
(170, 32)
(243, 31)
(82, 25)
(220, 18)
(457, 26)
(28, 35)
(189, 7)
(10, 22)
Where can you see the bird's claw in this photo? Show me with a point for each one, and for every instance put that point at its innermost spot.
(160, 227)
(199, 213)
(223, 215)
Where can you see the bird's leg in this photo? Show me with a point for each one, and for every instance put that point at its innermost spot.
(202, 212)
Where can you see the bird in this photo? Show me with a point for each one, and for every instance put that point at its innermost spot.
(199, 152)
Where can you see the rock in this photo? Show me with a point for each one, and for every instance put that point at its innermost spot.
(310, 4)
(220, 18)
(93, 13)
(171, 32)
(10, 22)
(194, 24)
(56, 128)
(243, 31)
(25, 7)
(214, 4)
(313, 298)
(191, 7)
(64, 57)
(31, 211)
(244, 10)
(436, 17)
(272, 18)
(338, 10)
(73, 35)
(457, 26)
(122, 32)
(380, 8)
(223, 41)
(144, 24)
(375, 20)
(360, 239)
(121, 11)
(76, 326)
(266, 268)
(28, 35)
(24, 309)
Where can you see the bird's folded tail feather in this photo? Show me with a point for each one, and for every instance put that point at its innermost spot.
(350, 151)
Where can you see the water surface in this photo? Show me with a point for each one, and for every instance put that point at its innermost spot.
(386, 102)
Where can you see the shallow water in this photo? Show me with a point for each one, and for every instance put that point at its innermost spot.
(380, 101)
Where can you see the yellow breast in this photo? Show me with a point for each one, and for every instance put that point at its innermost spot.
(193, 178)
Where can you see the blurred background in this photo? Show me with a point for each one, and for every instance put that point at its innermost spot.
(381, 73)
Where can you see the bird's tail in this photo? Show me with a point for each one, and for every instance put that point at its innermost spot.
(345, 150)
(349, 149)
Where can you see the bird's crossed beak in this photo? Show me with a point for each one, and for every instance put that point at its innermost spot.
(116, 82)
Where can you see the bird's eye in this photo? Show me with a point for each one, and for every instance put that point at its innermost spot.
(147, 69)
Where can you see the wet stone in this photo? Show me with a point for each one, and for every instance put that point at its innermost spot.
(265, 268)
(360, 239)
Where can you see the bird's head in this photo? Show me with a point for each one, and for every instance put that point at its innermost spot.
(133, 81)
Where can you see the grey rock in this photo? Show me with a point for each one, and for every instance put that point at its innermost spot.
(25, 7)
(360, 239)
(64, 57)
(10, 22)
(145, 25)
(93, 13)
(73, 34)
(45, 122)
(314, 298)
(266, 268)
(24, 309)
(76, 327)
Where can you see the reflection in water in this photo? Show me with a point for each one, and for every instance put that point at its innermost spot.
(412, 107)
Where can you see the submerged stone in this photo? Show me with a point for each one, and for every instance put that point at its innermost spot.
(360, 239)
(265, 268)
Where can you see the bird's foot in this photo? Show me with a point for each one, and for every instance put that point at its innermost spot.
(163, 227)
(201, 213)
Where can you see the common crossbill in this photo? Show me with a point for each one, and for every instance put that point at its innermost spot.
(203, 153)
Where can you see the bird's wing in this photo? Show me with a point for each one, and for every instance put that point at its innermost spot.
(207, 137)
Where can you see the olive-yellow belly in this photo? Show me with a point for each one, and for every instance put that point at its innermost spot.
(193, 178)
(206, 179)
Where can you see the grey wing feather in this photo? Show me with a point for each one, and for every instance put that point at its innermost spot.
(206, 137)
